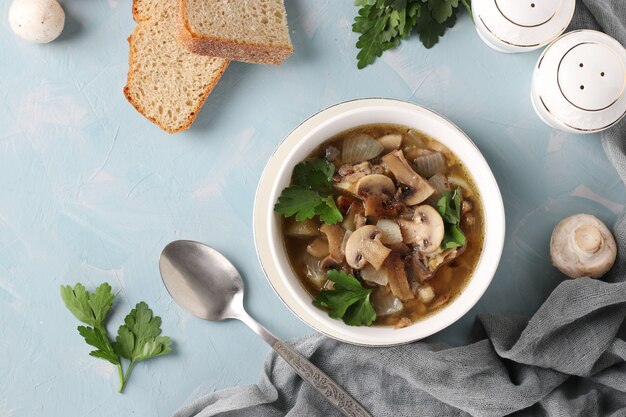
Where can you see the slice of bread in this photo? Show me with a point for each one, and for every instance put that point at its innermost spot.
(166, 82)
(242, 30)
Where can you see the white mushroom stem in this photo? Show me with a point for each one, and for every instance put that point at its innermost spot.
(582, 246)
(334, 234)
(398, 281)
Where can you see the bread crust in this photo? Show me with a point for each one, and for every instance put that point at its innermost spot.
(228, 48)
(127, 93)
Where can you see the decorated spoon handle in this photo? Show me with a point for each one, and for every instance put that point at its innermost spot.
(320, 381)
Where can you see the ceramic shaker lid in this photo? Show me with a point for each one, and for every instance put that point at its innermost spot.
(579, 82)
(521, 25)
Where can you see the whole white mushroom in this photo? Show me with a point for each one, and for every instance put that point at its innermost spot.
(582, 246)
(37, 21)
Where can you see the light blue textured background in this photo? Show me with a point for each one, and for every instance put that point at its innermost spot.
(91, 192)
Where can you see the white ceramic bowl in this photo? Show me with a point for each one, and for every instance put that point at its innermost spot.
(299, 144)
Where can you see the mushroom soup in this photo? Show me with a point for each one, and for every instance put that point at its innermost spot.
(383, 225)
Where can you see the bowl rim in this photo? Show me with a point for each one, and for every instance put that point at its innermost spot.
(283, 280)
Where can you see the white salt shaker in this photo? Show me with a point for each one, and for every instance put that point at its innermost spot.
(521, 25)
(579, 82)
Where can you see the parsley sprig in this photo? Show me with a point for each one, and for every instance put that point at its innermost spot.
(449, 206)
(348, 300)
(137, 339)
(382, 24)
(310, 195)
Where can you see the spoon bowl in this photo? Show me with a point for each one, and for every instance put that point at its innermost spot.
(201, 280)
(205, 283)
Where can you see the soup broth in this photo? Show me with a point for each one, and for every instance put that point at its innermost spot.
(435, 270)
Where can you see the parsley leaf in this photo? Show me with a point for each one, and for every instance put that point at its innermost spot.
(310, 195)
(314, 175)
(449, 206)
(453, 237)
(299, 201)
(430, 30)
(348, 300)
(99, 340)
(140, 335)
(88, 308)
(138, 338)
(441, 10)
(328, 211)
(382, 24)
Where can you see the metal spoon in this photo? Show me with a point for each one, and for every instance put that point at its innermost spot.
(205, 283)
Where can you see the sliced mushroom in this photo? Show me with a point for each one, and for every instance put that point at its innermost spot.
(398, 281)
(364, 246)
(318, 248)
(438, 259)
(349, 174)
(582, 246)
(375, 189)
(334, 234)
(350, 218)
(425, 231)
(344, 203)
(344, 242)
(417, 188)
(418, 269)
(360, 220)
(328, 263)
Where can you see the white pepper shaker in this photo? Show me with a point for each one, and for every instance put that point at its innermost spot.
(579, 82)
(521, 25)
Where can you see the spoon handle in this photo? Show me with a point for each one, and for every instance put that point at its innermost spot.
(320, 381)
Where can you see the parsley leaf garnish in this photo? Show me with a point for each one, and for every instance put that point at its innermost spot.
(99, 339)
(441, 10)
(449, 206)
(310, 195)
(453, 237)
(138, 339)
(382, 24)
(348, 300)
(314, 175)
(88, 308)
(430, 30)
(92, 309)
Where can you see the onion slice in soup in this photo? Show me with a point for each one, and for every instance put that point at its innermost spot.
(384, 302)
(430, 164)
(360, 147)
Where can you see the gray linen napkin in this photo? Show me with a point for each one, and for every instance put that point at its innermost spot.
(564, 361)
